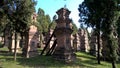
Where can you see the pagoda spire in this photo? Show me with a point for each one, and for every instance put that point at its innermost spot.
(65, 6)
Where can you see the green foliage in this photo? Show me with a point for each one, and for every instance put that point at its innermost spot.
(39, 27)
(102, 17)
(41, 12)
(3, 16)
(17, 15)
(43, 20)
(1, 45)
(52, 25)
(109, 25)
(91, 14)
(75, 29)
(23, 12)
(118, 27)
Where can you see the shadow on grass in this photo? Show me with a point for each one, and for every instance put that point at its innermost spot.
(40, 61)
(49, 61)
(83, 61)
(46, 62)
(88, 61)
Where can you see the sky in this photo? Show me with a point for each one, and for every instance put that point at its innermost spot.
(51, 6)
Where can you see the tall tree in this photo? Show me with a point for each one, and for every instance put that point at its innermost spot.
(19, 13)
(43, 20)
(52, 25)
(105, 15)
(109, 24)
(91, 15)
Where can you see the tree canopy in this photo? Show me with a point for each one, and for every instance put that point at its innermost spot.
(43, 20)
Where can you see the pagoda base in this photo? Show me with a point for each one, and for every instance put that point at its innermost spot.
(63, 55)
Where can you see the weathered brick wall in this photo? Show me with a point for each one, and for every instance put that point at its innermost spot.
(84, 41)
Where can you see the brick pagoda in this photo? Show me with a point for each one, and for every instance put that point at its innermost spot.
(63, 31)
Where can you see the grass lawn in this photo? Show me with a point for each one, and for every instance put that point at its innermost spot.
(83, 61)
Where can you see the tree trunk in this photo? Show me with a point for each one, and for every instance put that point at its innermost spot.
(41, 40)
(27, 41)
(15, 48)
(4, 38)
(113, 64)
(112, 60)
(21, 41)
(111, 57)
(98, 42)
